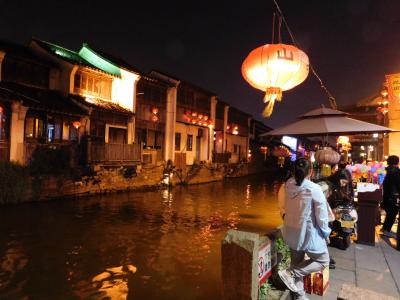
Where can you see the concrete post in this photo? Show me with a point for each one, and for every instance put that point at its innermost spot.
(170, 120)
(226, 111)
(133, 125)
(17, 129)
(246, 261)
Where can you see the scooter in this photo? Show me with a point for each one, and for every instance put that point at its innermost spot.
(345, 224)
(341, 201)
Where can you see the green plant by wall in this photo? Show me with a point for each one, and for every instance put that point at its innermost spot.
(264, 290)
(284, 252)
(14, 182)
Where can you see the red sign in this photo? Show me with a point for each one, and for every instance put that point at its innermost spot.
(264, 263)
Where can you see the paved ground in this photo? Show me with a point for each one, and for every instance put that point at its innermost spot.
(372, 268)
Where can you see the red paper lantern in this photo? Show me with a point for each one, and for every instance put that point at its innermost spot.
(154, 110)
(76, 124)
(273, 69)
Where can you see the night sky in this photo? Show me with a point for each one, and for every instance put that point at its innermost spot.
(352, 44)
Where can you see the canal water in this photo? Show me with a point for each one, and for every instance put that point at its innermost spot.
(161, 244)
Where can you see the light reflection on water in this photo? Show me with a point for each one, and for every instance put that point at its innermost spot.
(152, 245)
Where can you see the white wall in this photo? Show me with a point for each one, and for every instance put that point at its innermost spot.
(239, 140)
(187, 129)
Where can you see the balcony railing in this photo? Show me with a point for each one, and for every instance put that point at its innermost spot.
(30, 147)
(4, 151)
(106, 152)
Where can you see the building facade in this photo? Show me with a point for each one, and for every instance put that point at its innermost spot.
(108, 112)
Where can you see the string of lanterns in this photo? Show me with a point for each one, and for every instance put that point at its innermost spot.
(232, 128)
(197, 118)
(383, 105)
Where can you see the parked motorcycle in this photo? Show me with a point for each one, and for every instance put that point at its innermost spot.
(339, 192)
(345, 224)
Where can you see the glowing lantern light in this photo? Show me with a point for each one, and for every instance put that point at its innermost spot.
(76, 124)
(205, 118)
(275, 68)
(154, 118)
(154, 110)
(200, 116)
(344, 140)
(194, 114)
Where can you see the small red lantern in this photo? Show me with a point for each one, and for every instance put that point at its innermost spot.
(194, 114)
(76, 124)
(205, 118)
(154, 118)
(154, 110)
(200, 116)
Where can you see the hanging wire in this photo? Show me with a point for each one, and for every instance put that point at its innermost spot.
(332, 99)
(273, 28)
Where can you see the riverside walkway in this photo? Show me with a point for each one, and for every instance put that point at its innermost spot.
(374, 271)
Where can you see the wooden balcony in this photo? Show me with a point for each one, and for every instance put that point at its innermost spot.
(107, 152)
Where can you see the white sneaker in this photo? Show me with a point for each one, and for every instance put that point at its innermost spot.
(288, 280)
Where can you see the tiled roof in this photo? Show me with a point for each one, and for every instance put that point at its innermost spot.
(22, 51)
(101, 104)
(40, 99)
(68, 55)
(114, 59)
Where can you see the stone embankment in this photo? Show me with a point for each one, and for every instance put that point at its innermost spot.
(111, 178)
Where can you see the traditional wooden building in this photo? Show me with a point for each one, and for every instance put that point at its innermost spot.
(32, 115)
(151, 116)
(103, 88)
(193, 122)
(237, 135)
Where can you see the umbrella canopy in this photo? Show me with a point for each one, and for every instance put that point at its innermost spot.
(326, 121)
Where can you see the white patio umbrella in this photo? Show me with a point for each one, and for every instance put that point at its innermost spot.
(327, 122)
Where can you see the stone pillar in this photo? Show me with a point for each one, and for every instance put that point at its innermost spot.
(170, 120)
(131, 130)
(226, 112)
(240, 254)
(213, 116)
(2, 54)
(17, 129)
(133, 125)
(249, 134)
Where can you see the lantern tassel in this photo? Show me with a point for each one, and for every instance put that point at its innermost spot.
(268, 109)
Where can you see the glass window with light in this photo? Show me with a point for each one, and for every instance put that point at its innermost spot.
(189, 142)
(177, 141)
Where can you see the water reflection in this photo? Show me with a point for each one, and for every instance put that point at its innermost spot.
(154, 245)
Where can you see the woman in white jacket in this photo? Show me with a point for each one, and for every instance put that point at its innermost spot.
(305, 229)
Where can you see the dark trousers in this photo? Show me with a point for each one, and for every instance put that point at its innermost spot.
(391, 213)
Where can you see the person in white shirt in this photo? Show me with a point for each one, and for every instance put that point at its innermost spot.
(303, 208)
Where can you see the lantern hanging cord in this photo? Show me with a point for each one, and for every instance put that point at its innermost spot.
(332, 99)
